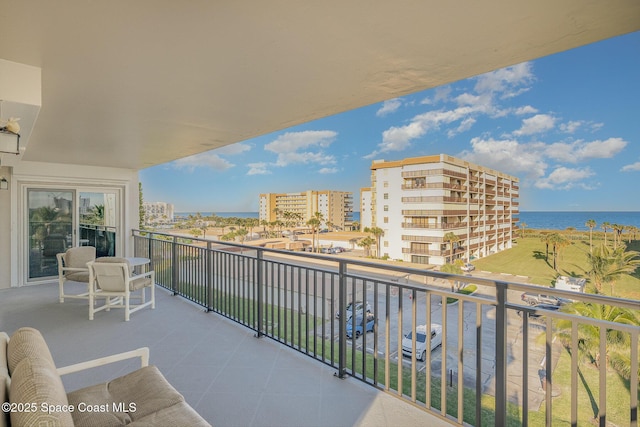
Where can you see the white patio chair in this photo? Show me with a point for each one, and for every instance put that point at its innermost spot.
(72, 266)
(111, 278)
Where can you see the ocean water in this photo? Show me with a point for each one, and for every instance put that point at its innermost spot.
(533, 219)
(577, 220)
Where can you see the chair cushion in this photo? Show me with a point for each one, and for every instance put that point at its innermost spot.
(35, 382)
(113, 259)
(78, 276)
(146, 388)
(27, 343)
(79, 257)
(140, 283)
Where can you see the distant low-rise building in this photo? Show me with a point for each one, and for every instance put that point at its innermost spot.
(336, 207)
(158, 212)
(436, 209)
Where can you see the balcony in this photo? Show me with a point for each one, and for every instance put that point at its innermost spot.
(258, 343)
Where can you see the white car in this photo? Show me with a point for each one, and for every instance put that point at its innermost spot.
(467, 267)
(421, 341)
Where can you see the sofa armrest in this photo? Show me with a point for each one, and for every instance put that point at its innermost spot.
(142, 353)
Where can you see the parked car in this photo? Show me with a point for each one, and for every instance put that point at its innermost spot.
(421, 341)
(535, 299)
(363, 323)
(467, 267)
(536, 316)
(359, 309)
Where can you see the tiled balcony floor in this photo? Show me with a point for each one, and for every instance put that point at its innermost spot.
(228, 376)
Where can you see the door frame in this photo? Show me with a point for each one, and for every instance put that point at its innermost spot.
(22, 219)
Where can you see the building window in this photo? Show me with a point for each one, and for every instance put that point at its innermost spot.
(386, 243)
(386, 196)
(386, 220)
(385, 184)
(417, 259)
(386, 208)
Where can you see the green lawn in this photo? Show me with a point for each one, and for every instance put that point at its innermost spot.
(528, 258)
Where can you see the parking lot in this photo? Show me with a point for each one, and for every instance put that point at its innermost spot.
(468, 342)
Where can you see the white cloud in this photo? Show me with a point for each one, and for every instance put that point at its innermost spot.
(563, 178)
(389, 107)
(208, 159)
(527, 109)
(259, 168)
(536, 124)
(507, 81)
(507, 155)
(399, 138)
(571, 126)
(634, 167)
(328, 170)
(295, 147)
(578, 151)
(465, 125)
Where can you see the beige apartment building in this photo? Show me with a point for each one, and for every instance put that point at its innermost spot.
(158, 212)
(418, 201)
(336, 207)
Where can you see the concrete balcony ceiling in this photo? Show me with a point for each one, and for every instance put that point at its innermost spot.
(136, 84)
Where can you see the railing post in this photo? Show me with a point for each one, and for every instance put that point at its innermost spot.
(209, 279)
(174, 264)
(260, 302)
(501, 355)
(342, 321)
(149, 249)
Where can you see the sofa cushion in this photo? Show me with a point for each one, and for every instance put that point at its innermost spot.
(36, 384)
(178, 415)
(144, 390)
(27, 343)
(4, 377)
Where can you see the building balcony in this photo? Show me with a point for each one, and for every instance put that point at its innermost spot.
(252, 339)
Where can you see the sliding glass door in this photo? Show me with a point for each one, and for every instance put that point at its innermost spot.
(97, 222)
(50, 229)
(62, 218)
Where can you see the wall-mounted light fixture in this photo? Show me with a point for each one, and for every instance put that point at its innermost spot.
(9, 134)
(9, 142)
(4, 184)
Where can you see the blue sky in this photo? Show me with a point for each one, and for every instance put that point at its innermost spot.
(567, 125)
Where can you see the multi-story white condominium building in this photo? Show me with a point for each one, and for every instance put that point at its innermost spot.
(336, 207)
(155, 212)
(366, 208)
(418, 201)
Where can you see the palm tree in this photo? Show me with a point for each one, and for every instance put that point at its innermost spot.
(377, 233)
(605, 226)
(591, 223)
(314, 222)
(558, 242)
(608, 265)
(546, 239)
(451, 238)
(617, 235)
(618, 343)
(366, 244)
(523, 225)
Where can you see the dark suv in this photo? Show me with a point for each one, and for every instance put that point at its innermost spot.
(535, 299)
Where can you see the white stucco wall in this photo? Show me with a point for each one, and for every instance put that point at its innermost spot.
(58, 176)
